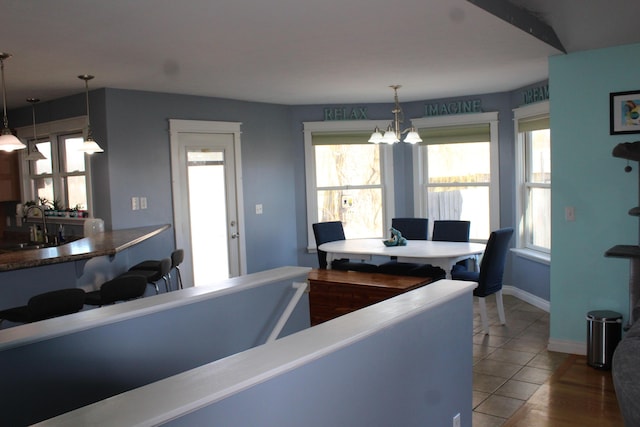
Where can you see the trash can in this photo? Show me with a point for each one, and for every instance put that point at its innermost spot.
(604, 330)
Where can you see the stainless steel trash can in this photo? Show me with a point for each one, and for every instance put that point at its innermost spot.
(604, 330)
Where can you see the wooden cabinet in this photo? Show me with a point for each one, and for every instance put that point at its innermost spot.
(335, 292)
(9, 176)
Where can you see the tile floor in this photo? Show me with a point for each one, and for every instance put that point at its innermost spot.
(512, 362)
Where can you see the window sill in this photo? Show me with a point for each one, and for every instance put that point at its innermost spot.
(536, 256)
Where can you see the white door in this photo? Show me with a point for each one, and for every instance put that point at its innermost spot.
(205, 164)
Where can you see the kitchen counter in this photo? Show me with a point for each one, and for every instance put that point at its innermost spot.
(106, 243)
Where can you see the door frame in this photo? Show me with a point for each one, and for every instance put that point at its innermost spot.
(181, 224)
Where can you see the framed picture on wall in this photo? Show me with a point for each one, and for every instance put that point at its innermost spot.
(624, 112)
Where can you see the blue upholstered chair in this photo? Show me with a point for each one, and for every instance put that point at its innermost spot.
(451, 231)
(331, 231)
(412, 228)
(489, 277)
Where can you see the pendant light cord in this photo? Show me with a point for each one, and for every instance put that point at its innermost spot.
(4, 94)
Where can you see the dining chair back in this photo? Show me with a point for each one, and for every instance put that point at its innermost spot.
(46, 306)
(331, 231)
(451, 231)
(122, 288)
(412, 228)
(489, 278)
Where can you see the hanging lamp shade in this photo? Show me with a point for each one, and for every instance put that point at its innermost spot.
(35, 154)
(89, 145)
(376, 136)
(412, 137)
(8, 141)
(390, 136)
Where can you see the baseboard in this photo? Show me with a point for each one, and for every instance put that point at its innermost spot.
(571, 347)
(527, 297)
(561, 346)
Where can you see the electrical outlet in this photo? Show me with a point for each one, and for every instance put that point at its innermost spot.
(143, 203)
(259, 209)
(135, 203)
(569, 213)
(456, 420)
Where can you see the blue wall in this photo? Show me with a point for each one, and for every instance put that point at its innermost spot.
(132, 126)
(587, 177)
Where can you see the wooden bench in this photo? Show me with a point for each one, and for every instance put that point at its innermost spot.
(336, 292)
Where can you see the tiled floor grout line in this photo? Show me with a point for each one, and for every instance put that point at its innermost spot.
(504, 382)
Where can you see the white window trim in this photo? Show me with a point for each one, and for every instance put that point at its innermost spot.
(56, 127)
(386, 155)
(526, 112)
(420, 159)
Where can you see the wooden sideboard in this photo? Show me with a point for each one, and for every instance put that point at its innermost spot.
(335, 292)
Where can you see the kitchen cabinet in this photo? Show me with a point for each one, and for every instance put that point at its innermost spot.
(9, 176)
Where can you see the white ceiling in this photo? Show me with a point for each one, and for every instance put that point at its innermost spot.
(292, 51)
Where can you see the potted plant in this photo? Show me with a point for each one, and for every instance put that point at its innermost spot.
(58, 208)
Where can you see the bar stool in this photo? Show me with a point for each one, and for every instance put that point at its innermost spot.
(46, 305)
(177, 257)
(153, 276)
(122, 288)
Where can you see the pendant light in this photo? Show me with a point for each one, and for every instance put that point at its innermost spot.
(8, 141)
(89, 146)
(394, 132)
(35, 154)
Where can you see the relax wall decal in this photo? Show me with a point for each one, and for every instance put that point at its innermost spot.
(343, 113)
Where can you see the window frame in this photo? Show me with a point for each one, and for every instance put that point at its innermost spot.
(51, 131)
(534, 111)
(386, 171)
(420, 162)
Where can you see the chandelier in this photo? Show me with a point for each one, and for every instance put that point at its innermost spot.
(393, 132)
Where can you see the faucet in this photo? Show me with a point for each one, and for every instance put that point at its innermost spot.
(44, 220)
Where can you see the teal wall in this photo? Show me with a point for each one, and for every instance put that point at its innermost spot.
(587, 177)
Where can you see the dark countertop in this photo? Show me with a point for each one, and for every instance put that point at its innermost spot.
(106, 243)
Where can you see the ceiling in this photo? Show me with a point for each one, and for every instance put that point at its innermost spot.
(293, 52)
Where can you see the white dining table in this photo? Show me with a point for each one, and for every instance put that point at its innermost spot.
(441, 254)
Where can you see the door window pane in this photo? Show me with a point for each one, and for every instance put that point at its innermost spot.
(207, 206)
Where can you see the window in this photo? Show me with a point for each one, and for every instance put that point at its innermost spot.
(457, 176)
(533, 162)
(64, 176)
(348, 178)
